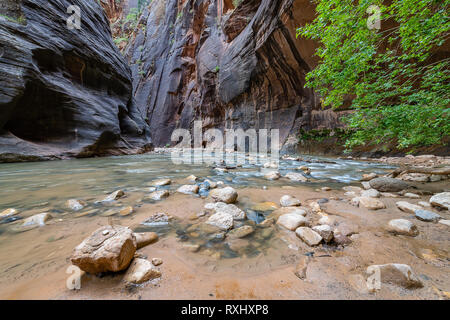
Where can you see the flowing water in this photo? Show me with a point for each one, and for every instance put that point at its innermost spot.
(37, 256)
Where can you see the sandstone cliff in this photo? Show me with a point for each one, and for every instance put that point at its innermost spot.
(63, 93)
(232, 67)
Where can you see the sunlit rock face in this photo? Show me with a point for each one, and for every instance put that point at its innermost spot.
(231, 67)
(64, 93)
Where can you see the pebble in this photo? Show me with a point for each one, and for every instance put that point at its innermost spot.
(140, 271)
(158, 195)
(227, 195)
(309, 236)
(114, 196)
(325, 232)
(161, 182)
(157, 261)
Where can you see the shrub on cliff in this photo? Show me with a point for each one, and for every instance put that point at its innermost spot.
(396, 77)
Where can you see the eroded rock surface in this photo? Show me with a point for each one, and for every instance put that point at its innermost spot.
(64, 93)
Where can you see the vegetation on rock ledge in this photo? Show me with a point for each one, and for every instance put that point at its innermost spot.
(399, 86)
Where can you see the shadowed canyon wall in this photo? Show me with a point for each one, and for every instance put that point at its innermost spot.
(231, 67)
(64, 93)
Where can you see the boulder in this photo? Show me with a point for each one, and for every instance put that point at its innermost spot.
(415, 177)
(227, 195)
(272, 175)
(309, 236)
(235, 212)
(289, 201)
(221, 220)
(140, 271)
(441, 200)
(402, 227)
(325, 231)
(295, 176)
(37, 219)
(398, 274)
(75, 205)
(158, 195)
(385, 184)
(145, 238)
(188, 189)
(427, 216)
(407, 207)
(109, 248)
(292, 221)
(371, 203)
(371, 193)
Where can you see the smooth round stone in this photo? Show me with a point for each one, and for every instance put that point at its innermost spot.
(289, 201)
(292, 221)
(8, 213)
(427, 216)
(407, 207)
(161, 182)
(403, 227)
(227, 195)
(188, 189)
(158, 195)
(126, 211)
(441, 200)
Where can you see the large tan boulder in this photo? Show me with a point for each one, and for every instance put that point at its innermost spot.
(109, 248)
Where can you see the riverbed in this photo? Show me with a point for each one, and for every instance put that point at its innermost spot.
(33, 263)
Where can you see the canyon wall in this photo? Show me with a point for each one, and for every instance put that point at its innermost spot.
(64, 93)
(231, 67)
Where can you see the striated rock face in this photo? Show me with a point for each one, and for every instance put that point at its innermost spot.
(63, 93)
(230, 67)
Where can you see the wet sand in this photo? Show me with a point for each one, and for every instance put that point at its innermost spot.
(33, 264)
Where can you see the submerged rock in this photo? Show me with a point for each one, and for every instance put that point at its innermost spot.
(227, 195)
(140, 271)
(403, 227)
(38, 219)
(398, 274)
(157, 219)
(188, 189)
(161, 182)
(126, 211)
(272, 175)
(265, 206)
(369, 176)
(114, 196)
(8, 213)
(295, 176)
(289, 201)
(75, 205)
(427, 216)
(109, 248)
(385, 184)
(441, 200)
(241, 232)
(158, 195)
(145, 238)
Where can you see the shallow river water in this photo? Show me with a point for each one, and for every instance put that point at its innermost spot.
(34, 261)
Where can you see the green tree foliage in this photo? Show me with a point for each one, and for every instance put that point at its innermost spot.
(398, 84)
